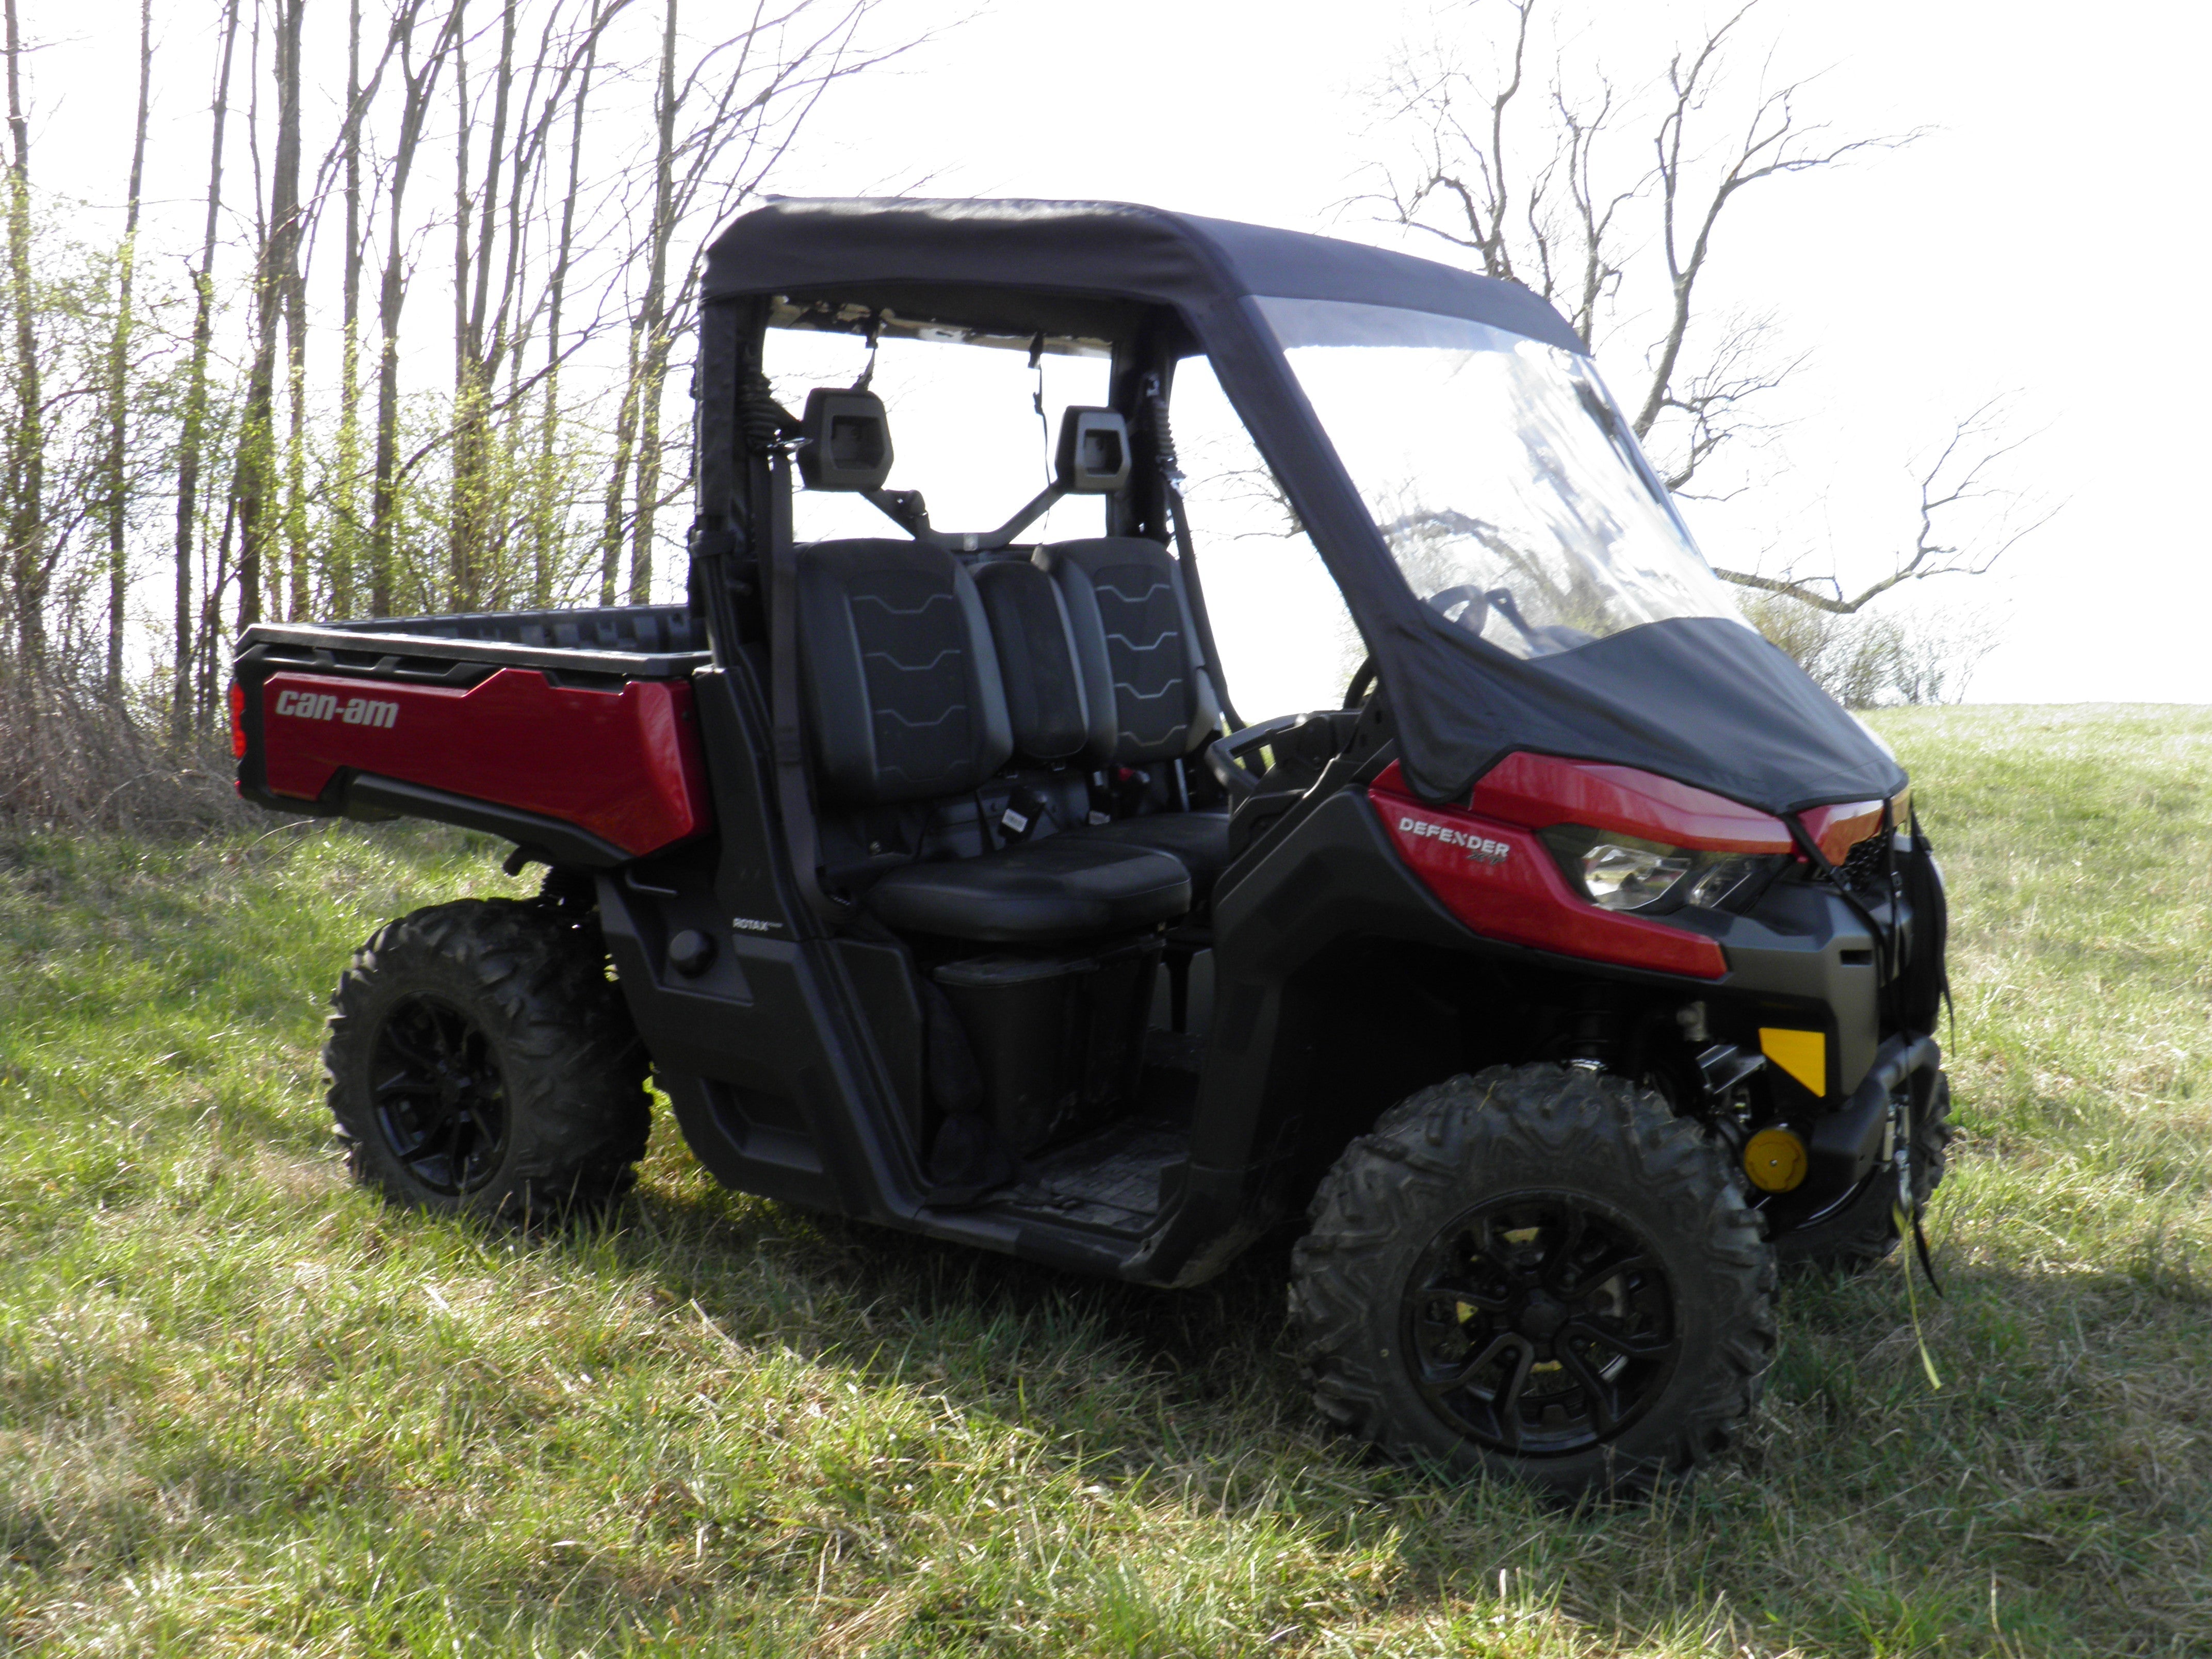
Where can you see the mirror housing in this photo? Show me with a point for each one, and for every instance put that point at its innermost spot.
(1093, 456)
(845, 440)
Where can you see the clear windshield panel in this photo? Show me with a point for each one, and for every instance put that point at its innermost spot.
(1501, 474)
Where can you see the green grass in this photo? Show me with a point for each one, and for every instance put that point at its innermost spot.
(244, 1408)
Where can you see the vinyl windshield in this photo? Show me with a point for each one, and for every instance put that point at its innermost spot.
(1501, 474)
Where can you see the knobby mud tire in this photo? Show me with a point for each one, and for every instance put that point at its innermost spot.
(1507, 1130)
(1863, 1233)
(534, 981)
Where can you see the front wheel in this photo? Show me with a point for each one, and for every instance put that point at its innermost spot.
(1536, 1272)
(480, 1061)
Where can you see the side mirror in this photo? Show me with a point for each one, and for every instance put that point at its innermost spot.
(845, 440)
(1094, 453)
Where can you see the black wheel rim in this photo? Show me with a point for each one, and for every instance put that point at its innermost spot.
(1539, 1324)
(439, 1102)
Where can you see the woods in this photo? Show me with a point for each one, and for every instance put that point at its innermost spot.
(405, 334)
(409, 350)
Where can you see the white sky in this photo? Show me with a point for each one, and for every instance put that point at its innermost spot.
(2048, 239)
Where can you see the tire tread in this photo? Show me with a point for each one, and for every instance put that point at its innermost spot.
(575, 1072)
(1410, 1172)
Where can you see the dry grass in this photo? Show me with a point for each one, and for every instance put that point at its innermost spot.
(245, 1409)
(75, 759)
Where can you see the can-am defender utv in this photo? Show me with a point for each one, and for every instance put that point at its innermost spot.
(1583, 960)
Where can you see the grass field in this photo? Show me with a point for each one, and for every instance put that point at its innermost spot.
(244, 1408)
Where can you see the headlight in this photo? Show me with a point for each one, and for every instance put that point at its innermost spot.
(1625, 876)
(1625, 872)
(1723, 874)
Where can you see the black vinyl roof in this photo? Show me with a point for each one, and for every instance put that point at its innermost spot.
(969, 253)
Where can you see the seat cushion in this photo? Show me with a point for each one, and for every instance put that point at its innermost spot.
(1064, 887)
(1052, 716)
(1199, 841)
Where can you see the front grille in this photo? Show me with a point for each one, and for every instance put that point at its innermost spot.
(1863, 867)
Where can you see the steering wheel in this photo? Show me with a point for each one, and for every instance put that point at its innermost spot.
(1224, 755)
(1363, 680)
(1476, 600)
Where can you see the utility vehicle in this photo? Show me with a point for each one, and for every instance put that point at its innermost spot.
(1581, 962)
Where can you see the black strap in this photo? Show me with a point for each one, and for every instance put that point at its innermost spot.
(1180, 518)
(985, 822)
(792, 795)
(1921, 850)
(1920, 1246)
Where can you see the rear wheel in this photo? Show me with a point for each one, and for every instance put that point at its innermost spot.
(479, 1060)
(1539, 1272)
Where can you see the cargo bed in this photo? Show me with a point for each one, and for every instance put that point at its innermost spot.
(571, 733)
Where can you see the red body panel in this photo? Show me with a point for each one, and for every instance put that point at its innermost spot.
(1501, 881)
(624, 765)
(1538, 791)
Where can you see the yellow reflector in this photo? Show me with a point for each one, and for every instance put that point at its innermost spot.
(1803, 1055)
(1775, 1161)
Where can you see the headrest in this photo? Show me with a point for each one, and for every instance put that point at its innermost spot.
(1093, 457)
(845, 440)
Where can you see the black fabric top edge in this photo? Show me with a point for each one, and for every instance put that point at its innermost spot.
(1111, 249)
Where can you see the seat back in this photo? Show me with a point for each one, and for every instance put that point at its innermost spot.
(903, 697)
(1136, 646)
(1054, 717)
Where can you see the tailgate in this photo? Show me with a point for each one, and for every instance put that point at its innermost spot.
(521, 740)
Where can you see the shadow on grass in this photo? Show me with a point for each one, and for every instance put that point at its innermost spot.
(1862, 1511)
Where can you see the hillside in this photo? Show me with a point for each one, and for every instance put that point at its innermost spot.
(244, 1408)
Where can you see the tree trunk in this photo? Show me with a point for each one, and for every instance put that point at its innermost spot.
(476, 367)
(276, 269)
(210, 627)
(26, 446)
(611, 525)
(194, 420)
(392, 295)
(652, 319)
(300, 601)
(547, 527)
(345, 527)
(118, 367)
(460, 539)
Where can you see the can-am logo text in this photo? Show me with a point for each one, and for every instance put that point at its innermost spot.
(1480, 848)
(324, 706)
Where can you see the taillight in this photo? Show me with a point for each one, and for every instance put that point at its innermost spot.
(237, 721)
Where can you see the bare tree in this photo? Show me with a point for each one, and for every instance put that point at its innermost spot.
(570, 293)
(650, 348)
(346, 490)
(26, 458)
(277, 271)
(544, 512)
(418, 81)
(1955, 479)
(753, 92)
(118, 360)
(1612, 205)
(475, 367)
(1563, 209)
(196, 388)
(493, 247)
